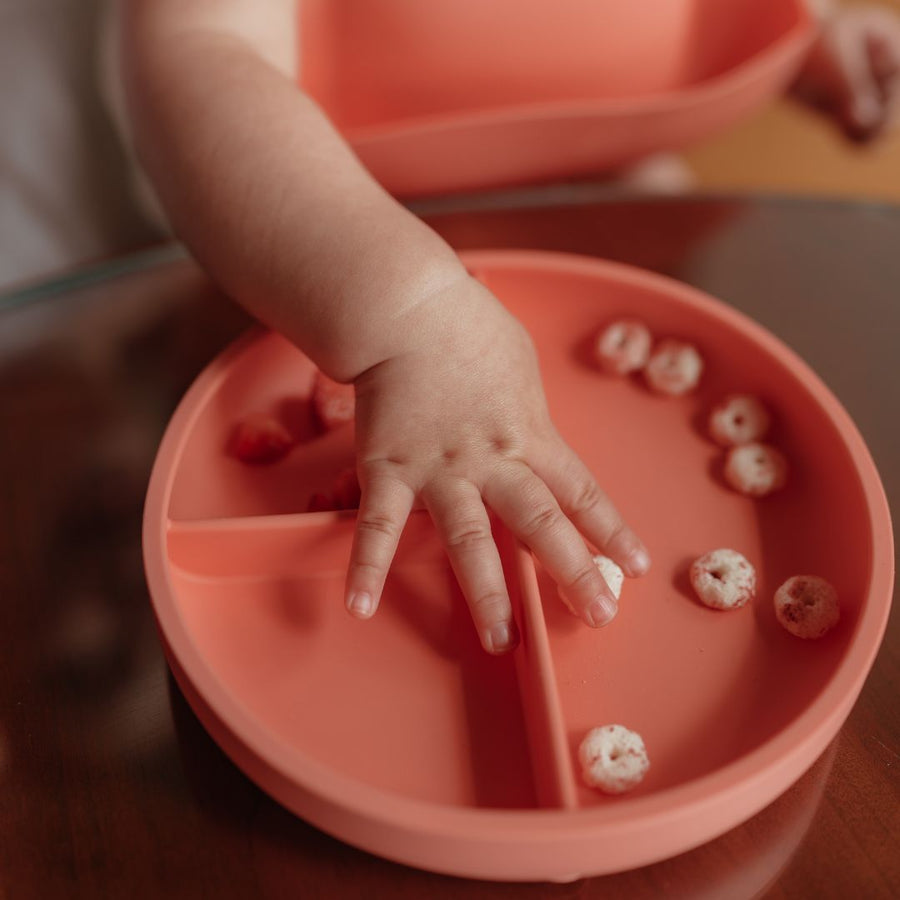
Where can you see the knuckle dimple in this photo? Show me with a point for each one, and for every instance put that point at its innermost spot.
(504, 445)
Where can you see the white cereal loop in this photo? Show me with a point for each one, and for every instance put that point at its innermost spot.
(623, 346)
(755, 469)
(674, 368)
(613, 759)
(612, 575)
(723, 579)
(807, 606)
(738, 419)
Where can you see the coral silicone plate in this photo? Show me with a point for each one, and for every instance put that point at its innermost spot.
(455, 95)
(400, 735)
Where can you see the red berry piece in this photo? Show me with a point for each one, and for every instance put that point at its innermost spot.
(260, 439)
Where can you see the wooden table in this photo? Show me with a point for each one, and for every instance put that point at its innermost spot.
(109, 787)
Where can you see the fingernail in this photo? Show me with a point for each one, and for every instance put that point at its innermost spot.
(638, 562)
(361, 605)
(600, 611)
(502, 637)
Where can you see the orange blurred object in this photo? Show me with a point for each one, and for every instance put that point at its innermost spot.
(458, 95)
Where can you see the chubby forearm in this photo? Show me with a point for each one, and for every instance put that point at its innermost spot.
(266, 193)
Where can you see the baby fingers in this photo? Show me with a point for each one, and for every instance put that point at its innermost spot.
(527, 506)
(462, 521)
(383, 511)
(592, 511)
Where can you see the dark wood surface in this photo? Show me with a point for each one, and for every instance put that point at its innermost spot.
(109, 787)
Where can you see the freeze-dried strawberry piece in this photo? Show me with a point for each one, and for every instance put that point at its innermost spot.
(260, 438)
(347, 493)
(320, 502)
(344, 494)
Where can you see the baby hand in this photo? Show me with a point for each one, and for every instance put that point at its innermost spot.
(853, 72)
(457, 421)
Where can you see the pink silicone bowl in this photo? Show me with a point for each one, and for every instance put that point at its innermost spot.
(400, 735)
(454, 95)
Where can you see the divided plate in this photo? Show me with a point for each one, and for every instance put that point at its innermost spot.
(400, 735)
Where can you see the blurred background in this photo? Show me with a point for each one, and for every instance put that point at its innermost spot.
(788, 148)
(66, 197)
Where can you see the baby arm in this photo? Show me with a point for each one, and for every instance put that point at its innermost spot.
(450, 409)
